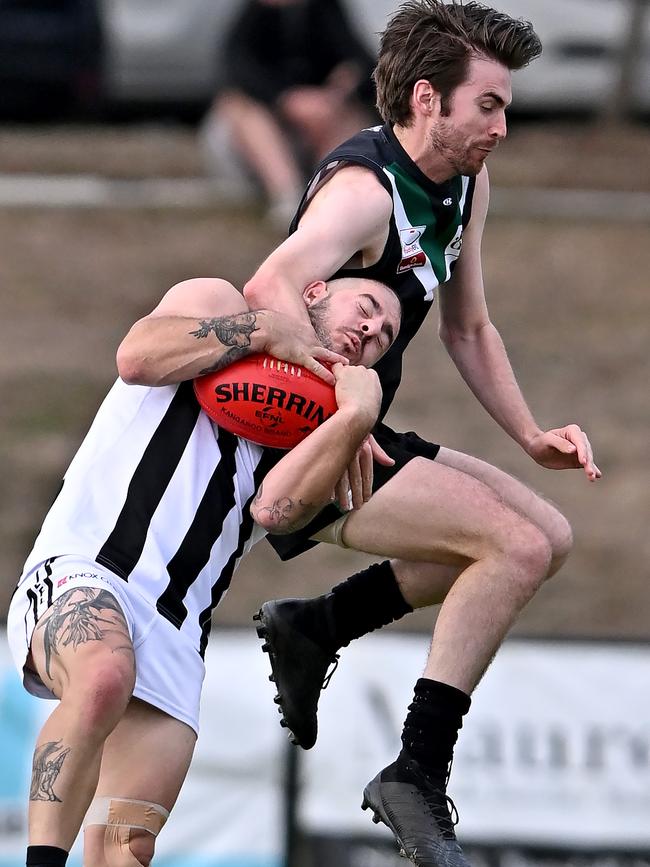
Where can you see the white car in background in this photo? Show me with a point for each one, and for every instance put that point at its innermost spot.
(164, 53)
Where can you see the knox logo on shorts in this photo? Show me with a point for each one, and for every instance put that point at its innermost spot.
(88, 575)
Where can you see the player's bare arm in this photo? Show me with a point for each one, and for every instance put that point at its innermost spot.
(477, 350)
(301, 484)
(202, 325)
(325, 241)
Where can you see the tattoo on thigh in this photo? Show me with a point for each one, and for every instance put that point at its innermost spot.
(48, 761)
(81, 616)
(233, 331)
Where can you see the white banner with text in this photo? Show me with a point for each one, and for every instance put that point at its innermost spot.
(555, 751)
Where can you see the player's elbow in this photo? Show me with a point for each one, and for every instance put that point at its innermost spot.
(458, 334)
(278, 518)
(251, 293)
(269, 524)
(129, 366)
(132, 366)
(258, 290)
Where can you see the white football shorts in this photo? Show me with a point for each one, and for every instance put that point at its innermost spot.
(169, 670)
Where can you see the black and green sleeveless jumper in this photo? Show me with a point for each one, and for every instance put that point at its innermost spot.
(424, 240)
(423, 245)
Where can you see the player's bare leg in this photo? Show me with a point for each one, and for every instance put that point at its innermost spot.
(145, 761)
(481, 536)
(82, 651)
(433, 513)
(420, 583)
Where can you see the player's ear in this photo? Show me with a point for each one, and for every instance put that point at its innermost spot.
(425, 99)
(315, 291)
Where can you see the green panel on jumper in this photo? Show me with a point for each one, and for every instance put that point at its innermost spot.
(420, 212)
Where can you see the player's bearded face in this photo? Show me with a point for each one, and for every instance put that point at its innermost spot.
(461, 150)
(329, 331)
(319, 316)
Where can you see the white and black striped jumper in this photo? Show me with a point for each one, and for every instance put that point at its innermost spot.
(159, 495)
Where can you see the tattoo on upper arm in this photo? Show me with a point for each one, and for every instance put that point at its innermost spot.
(234, 331)
(82, 615)
(48, 761)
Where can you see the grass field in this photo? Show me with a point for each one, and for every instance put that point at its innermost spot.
(569, 297)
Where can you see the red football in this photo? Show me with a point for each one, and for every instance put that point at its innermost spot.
(265, 400)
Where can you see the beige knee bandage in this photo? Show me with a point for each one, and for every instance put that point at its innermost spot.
(121, 817)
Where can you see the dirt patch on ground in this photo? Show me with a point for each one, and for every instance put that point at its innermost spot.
(570, 299)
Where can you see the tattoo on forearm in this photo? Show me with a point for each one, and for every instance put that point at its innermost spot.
(233, 331)
(80, 616)
(227, 358)
(48, 761)
(230, 330)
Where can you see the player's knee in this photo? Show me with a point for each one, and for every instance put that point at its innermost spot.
(102, 699)
(134, 850)
(140, 848)
(561, 542)
(529, 549)
(121, 832)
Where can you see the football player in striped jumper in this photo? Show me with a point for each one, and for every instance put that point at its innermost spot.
(112, 611)
(405, 203)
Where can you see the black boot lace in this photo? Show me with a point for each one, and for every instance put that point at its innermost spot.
(439, 804)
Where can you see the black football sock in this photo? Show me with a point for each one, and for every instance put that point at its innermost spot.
(46, 856)
(368, 600)
(432, 725)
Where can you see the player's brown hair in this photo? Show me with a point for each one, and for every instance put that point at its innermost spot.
(435, 41)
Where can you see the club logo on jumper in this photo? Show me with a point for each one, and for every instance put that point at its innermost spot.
(413, 256)
(448, 201)
(272, 397)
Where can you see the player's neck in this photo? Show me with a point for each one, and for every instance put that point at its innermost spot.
(415, 142)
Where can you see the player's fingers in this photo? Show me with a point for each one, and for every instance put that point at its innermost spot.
(356, 483)
(365, 463)
(564, 445)
(319, 370)
(586, 458)
(580, 444)
(321, 361)
(328, 355)
(343, 491)
(379, 454)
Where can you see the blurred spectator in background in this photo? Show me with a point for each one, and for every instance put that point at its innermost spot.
(295, 81)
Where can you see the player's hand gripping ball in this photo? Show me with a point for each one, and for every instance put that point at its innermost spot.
(265, 400)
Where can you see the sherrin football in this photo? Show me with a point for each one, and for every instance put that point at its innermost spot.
(265, 400)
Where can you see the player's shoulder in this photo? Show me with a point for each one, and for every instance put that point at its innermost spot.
(356, 184)
(201, 296)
